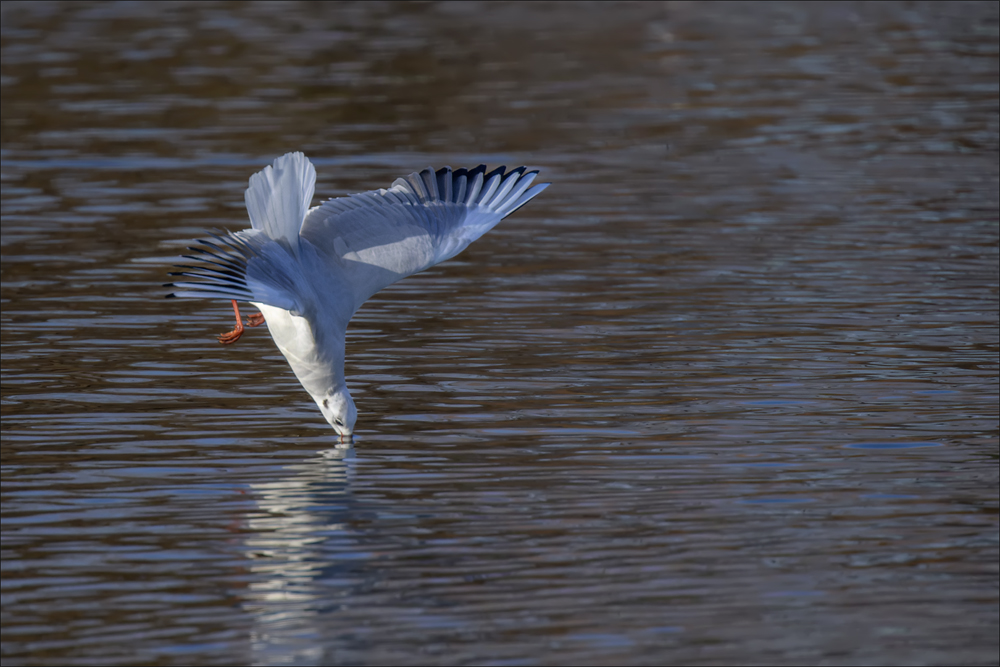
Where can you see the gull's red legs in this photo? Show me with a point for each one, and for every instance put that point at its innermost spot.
(231, 337)
(234, 335)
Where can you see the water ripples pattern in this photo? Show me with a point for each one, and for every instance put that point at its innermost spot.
(726, 393)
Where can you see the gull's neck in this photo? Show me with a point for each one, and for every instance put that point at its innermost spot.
(314, 349)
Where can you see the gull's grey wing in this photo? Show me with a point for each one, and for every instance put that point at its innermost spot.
(347, 249)
(382, 236)
(246, 266)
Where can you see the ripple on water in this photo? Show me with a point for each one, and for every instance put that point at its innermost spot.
(726, 393)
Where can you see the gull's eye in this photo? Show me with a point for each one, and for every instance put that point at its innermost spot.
(338, 422)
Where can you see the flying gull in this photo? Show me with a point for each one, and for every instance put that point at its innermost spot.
(308, 270)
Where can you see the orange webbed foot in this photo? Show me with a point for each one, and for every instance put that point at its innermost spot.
(232, 336)
(255, 320)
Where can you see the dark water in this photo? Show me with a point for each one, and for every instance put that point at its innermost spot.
(726, 392)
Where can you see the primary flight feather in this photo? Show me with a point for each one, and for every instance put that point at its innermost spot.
(309, 269)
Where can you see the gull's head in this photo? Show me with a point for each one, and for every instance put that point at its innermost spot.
(338, 409)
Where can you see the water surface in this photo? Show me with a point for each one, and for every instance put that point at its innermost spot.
(726, 392)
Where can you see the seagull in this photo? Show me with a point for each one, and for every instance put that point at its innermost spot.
(308, 270)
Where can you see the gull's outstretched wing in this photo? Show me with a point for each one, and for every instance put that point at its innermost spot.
(382, 236)
(245, 266)
(345, 250)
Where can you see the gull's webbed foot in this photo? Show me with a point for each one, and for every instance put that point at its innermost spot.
(232, 336)
(255, 320)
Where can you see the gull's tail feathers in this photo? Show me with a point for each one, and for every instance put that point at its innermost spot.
(279, 196)
(245, 266)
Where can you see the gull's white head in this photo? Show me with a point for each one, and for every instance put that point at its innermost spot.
(338, 408)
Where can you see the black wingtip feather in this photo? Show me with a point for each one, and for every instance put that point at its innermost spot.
(220, 267)
(499, 170)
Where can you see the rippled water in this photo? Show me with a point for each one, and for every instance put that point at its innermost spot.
(726, 392)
